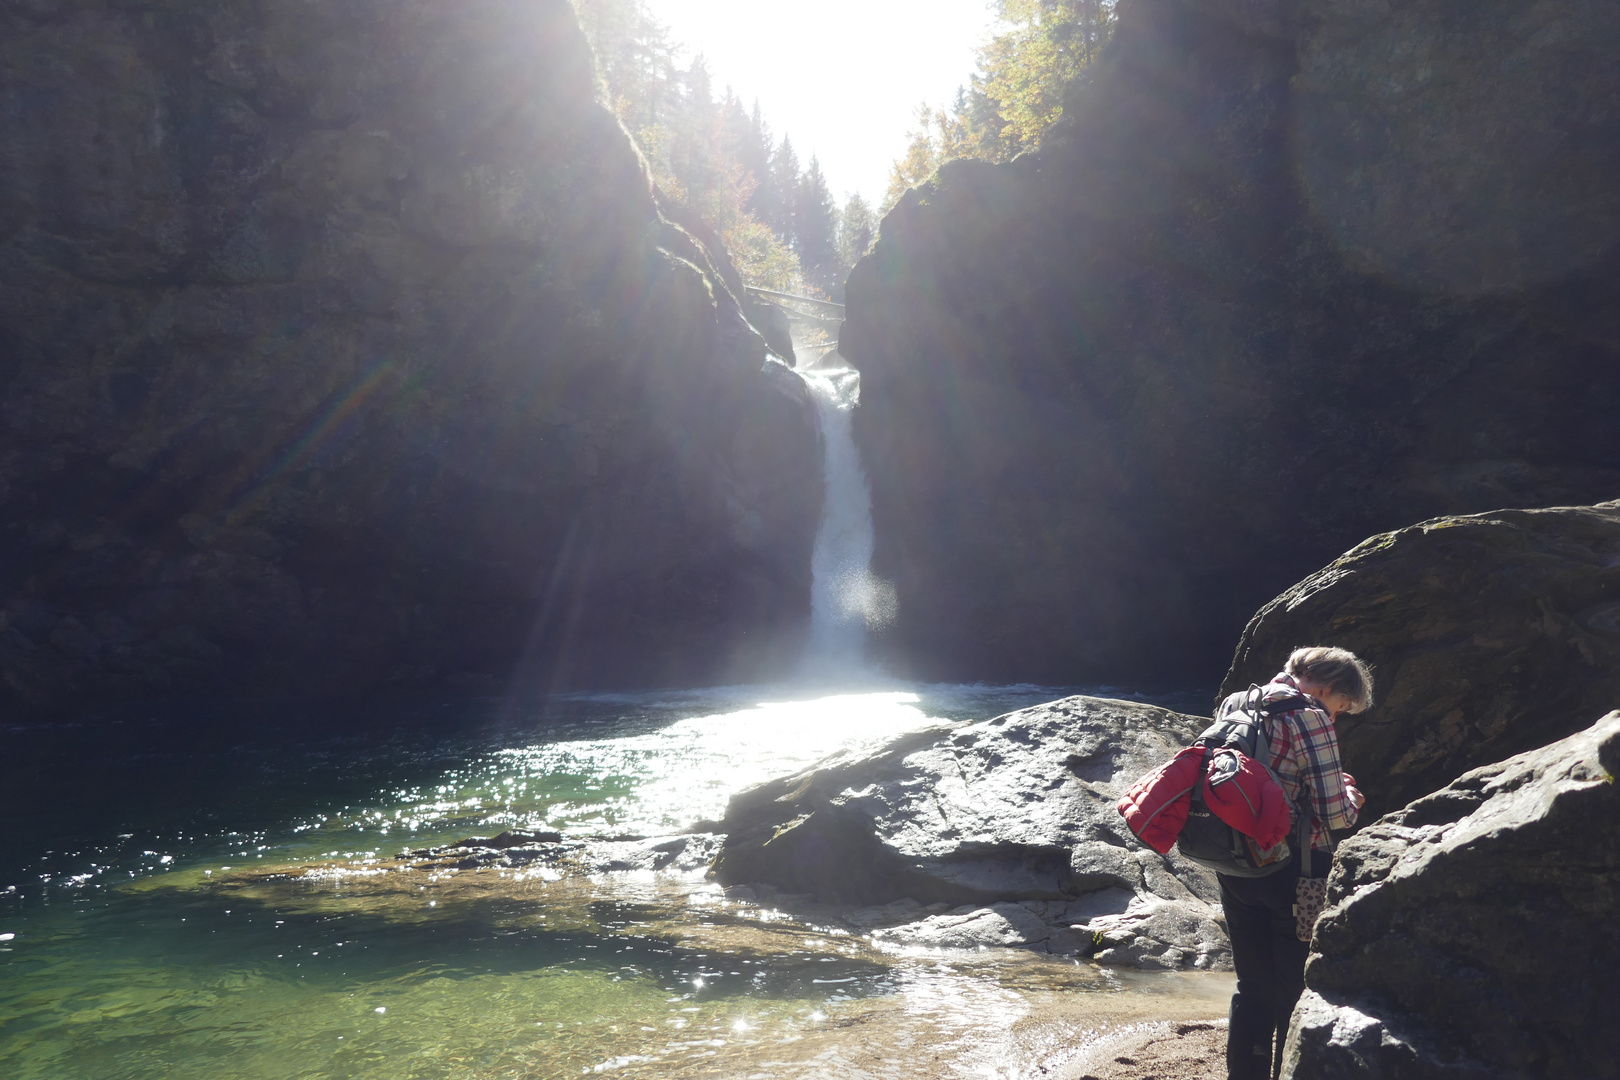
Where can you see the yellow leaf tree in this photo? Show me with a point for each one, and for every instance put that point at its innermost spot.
(1016, 95)
(1024, 70)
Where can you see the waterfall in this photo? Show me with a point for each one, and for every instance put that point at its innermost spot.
(846, 600)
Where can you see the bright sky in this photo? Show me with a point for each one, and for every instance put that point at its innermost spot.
(842, 78)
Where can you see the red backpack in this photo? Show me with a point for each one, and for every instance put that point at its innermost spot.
(1219, 800)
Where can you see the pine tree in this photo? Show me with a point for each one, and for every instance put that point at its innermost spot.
(634, 58)
(766, 203)
(785, 180)
(815, 229)
(976, 125)
(695, 161)
(712, 157)
(857, 229)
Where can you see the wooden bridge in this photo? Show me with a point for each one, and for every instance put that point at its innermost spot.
(780, 297)
(807, 312)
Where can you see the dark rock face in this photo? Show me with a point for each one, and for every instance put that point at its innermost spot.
(1012, 819)
(1488, 636)
(1285, 276)
(1472, 934)
(1461, 150)
(345, 347)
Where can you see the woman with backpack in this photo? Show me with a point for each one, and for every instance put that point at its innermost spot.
(1260, 920)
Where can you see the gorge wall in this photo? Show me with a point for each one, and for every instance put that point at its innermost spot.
(1284, 276)
(345, 348)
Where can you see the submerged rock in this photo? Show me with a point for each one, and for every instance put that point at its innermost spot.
(684, 853)
(1283, 276)
(346, 350)
(1488, 635)
(1005, 923)
(1473, 933)
(1010, 819)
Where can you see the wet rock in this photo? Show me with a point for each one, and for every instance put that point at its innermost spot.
(1014, 812)
(895, 912)
(511, 838)
(1003, 924)
(1071, 941)
(515, 848)
(687, 853)
(1160, 933)
(1472, 934)
(1274, 283)
(348, 353)
(1488, 635)
(1102, 902)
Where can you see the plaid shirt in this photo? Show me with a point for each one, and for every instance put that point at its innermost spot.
(1305, 754)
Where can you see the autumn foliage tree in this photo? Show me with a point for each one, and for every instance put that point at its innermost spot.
(1017, 93)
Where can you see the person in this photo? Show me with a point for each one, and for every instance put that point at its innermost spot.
(1266, 952)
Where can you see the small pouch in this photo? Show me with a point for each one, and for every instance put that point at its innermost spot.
(1310, 893)
(1310, 896)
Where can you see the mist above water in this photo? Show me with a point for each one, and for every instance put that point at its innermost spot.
(847, 601)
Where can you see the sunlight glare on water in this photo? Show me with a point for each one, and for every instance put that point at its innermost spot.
(254, 945)
(656, 781)
(686, 772)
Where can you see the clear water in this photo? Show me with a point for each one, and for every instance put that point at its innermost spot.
(203, 898)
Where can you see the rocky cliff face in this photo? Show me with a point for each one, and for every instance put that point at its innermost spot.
(1285, 276)
(1472, 934)
(1488, 636)
(345, 347)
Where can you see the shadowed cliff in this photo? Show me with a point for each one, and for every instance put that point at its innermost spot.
(345, 348)
(1283, 276)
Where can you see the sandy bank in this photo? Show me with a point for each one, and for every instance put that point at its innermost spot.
(1162, 1050)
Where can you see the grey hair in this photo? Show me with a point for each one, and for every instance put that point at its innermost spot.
(1340, 670)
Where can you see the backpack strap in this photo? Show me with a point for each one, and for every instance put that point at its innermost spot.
(1287, 704)
(1268, 711)
(1262, 726)
(1306, 817)
(1303, 839)
(1197, 792)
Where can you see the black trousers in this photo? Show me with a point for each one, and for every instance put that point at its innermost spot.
(1270, 963)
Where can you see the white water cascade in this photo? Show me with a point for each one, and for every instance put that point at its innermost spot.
(846, 600)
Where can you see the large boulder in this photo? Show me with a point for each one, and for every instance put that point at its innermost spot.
(1488, 635)
(1284, 275)
(1011, 819)
(345, 348)
(1473, 934)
